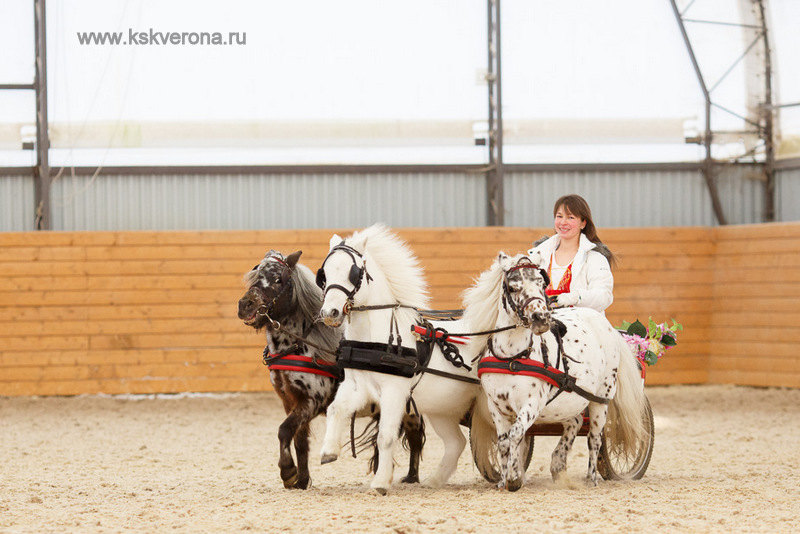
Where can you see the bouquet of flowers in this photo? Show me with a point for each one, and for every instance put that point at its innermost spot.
(650, 342)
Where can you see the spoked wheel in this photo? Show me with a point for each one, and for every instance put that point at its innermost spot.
(615, 464)
(490, 468)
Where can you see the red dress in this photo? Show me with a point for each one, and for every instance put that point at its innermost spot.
(563, 285)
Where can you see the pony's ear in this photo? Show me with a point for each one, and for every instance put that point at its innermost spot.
(502, 257)
(536, 257)
(359, 243)
(291, 259)
(335, 240)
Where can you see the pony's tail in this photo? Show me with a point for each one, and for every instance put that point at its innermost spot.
(625, 426)
(482, 437)
(368, 439)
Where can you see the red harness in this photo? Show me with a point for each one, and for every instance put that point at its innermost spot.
(519, 366)
(421, 330)
(302, 364)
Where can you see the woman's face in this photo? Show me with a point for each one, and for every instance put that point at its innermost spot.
(567, 225)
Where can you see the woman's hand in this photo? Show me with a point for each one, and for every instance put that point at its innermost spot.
(565, 299)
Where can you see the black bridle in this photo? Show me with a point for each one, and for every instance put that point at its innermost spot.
(519, 310)
(356, 275)
(266, 310)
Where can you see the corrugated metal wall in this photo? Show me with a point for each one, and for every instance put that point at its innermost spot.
(619, 198)
(297, 201)
(16, 203)
(787, 193)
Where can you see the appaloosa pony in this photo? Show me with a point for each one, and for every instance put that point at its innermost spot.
(547, 366)
(283, 299)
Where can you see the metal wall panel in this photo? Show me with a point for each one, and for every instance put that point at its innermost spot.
(617, 198)
(787, 192)
(16, 203)
(198, 202)
(741, 193)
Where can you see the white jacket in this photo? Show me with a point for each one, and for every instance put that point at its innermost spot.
(592, 284)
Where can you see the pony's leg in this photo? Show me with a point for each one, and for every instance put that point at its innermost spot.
(597, 422)
(516, 435)
(393, 408)
(449, 430)
(286, 432)
(558, 462)
(348, 400)
(301, 449)
(502, 425)
(414, 429)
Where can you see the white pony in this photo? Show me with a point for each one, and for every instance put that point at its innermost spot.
(511, 294)
(374, 267)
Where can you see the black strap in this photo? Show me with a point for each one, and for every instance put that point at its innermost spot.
(448, 348)
(445, 374)
(378, 357)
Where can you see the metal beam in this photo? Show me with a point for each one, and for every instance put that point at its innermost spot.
(768, 136)
(494, 175)
(42, 170)
(244, 170)
(17, 86)
(708, 166)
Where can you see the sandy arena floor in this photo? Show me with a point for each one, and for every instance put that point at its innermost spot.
(726, 459)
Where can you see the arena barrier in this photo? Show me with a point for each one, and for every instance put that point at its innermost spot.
(155, 312)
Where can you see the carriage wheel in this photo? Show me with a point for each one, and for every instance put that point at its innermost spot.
(490, 472)
(614, 464)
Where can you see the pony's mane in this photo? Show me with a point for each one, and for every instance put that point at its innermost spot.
(398, 263)
(481, 301)
(309, 301)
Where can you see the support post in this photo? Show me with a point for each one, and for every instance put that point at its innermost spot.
(494, 175)
(768, 110)
(42, 169)
(708, 163)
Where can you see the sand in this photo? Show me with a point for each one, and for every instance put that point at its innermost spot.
(726, 459)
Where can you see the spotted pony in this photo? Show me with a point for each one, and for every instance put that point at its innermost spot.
(577, 347)
(283, 299)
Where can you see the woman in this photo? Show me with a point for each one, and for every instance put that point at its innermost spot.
(578, 263)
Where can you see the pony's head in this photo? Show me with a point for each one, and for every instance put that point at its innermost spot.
(353, 264)
(524, 283)
(269, 292)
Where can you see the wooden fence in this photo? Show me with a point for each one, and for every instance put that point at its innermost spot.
(146, 312)
(755, 326)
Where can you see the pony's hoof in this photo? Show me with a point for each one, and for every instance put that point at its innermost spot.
(303, 484)
(514, 485)
(381, 491)
(410, 479)
(433, 483)
(290, 482)
(328, 458)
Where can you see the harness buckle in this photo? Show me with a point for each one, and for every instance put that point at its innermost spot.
(513, 366)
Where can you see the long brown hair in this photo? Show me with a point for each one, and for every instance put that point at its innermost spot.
(576, 205)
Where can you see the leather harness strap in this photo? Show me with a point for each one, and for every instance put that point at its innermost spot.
(536, 369)
(285, 361)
